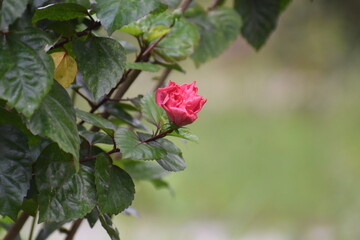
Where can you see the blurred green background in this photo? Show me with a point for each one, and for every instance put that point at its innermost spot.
(278, 156)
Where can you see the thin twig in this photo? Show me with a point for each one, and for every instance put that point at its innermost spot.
(152, 46)
(74, 229)
(91, 103)
(160, 135)
(16, 227)
(163, 78)
(94, 157)
(32, 226)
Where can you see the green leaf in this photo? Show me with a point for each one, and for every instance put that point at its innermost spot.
(116, 110)
(141, 170)
(178, 44)
(184, 133)
(151, 111)
(15, 119)
(218, 28)
(115, 188)
(160, 184)
(15, 170)
(114, 14)
(30, 206)
(85, 3)
(10, 11)
(150, 25)
(96, 137)
(64, 195)
(109, 226)
(173, 161)
(142, 66)
(59, 12)
(55, 119)
(26, 71)
(131, 147)
(156, 32)
(174, 66)
(101, 62)
(97, 121)
(48, 229)
(92, 217)
(259, 19)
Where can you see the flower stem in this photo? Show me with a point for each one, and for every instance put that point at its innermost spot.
(32, 227)
(16, 227)
(160, 135)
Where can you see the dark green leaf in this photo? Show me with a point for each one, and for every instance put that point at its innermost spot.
(63, 194)
(97, 121)
(55, 119)
(109, 226)
(10, 11)
(142, 66)
(15, 170)
(131, 147)
(284, 4)
(85, 3)
(151, 111)
(115, 188)
(30, 206)
(173, 161)
(92, 217)
(26, 71)
(101, 62)
(218, 28)
(48, 229)
(96, 137)
(114, 14)
(259, 19)
(116, 110)
(60, 12)
(141, 170)
(14, 119)
(179, 43)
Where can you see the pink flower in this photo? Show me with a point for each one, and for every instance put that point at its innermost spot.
(181, 103)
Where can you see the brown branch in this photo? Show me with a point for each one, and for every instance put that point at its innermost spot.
(16, 227)
(214, 4)
(74, 229)
(184, 5)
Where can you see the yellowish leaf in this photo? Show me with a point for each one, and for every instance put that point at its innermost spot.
(65, 68)
(156, 32)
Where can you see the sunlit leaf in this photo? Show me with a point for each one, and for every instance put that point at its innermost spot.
(65, 68)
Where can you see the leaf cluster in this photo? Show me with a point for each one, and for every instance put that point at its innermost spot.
(61, 161)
